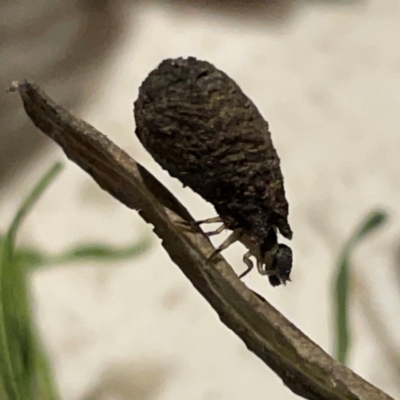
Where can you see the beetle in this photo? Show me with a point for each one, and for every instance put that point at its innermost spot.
(197, 124)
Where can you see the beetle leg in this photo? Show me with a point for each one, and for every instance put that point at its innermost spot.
(232, 238)
(249, 263)
(261, 268)
(213, 220)
(209, 221)
(217, 231)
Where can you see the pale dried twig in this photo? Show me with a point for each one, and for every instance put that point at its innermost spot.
(303, 366)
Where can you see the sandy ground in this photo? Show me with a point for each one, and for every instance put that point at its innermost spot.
(328, 82)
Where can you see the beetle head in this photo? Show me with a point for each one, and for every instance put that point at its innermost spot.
(281, 266)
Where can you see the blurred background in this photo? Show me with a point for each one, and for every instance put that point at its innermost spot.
(325, 74)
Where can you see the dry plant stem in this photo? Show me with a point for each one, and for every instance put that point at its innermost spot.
(303, 366)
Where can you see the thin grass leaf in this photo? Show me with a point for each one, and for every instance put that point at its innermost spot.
(342, 283)
(342, 319)
(101, 252)
(18, 347)
(374, 221)
(45, 387)
(26, 257)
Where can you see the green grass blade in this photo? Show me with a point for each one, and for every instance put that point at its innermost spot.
(342, 318)
(342, 284)
(30, 201)
(374, 221)
(44, 382)
(29, 257)
(26, 257)
(101, 252)
(18, 347)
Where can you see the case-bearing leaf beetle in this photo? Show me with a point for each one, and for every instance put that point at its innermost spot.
(198, 125)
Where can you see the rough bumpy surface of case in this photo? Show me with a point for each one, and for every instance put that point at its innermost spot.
(198, 125)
